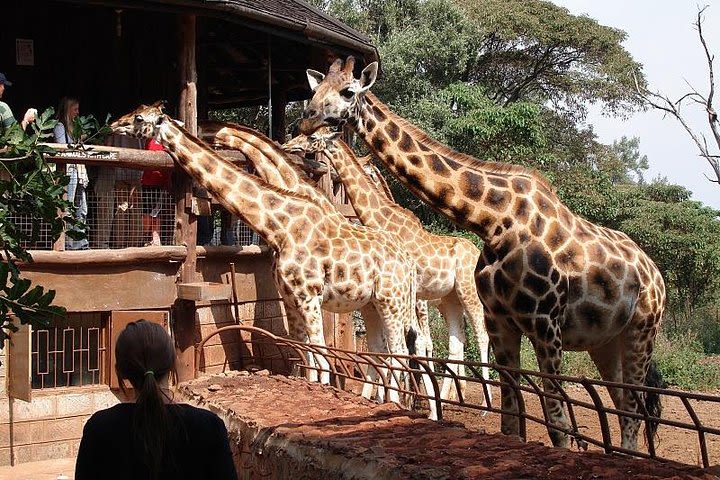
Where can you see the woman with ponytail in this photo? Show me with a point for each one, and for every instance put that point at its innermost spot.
(152, 438)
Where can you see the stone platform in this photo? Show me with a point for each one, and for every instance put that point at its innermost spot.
(284, 427)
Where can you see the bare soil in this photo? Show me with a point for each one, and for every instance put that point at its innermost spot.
(671, 443)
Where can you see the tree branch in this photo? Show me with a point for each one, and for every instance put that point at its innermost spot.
(664, 104)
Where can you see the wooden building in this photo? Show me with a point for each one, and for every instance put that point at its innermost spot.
(202, 56)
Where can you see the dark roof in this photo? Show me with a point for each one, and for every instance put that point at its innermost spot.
(296, 17)
(300, 16)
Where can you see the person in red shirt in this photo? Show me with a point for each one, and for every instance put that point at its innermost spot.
(155, 185)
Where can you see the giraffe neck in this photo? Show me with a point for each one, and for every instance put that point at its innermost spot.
(268, 210)
(368, 199)
(272, 162)
(473, 193)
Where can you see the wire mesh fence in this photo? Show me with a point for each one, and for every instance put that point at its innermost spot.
(592, 416)
(120, 212)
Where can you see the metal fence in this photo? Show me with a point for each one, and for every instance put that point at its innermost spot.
(348, 368)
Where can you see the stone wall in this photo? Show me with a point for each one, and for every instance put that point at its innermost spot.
(50, 426)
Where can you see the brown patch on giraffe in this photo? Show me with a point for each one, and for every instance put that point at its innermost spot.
(497, 199)
(571, 258)
(536, 284)
(521, 209)
(601, 279)
(591, 314)
(555, 236)
(544, 205)
(521, 185)
(393, 131)
(616, 267)
(406, 143)
(538, 259)
(537, 225)
(596, 252)
(470, 184)
(438, 166)
(497, 181)
(415, 160)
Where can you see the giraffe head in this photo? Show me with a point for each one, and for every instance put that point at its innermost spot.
(336, 95)
(317, 142)
(143, 122)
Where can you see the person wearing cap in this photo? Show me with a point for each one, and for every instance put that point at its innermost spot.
(6, 116)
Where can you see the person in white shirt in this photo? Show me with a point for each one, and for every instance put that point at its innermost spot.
(68, 110)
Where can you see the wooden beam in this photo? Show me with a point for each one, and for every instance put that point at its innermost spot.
(185, 220)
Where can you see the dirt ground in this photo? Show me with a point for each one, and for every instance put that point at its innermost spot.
(671, 443)
(341, 431)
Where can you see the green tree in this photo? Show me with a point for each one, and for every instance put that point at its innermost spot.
(682, 237)
(30, 190)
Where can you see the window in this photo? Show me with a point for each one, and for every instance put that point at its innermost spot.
(71, 352)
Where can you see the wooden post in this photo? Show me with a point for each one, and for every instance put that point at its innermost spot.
(186, 225)
(185, 220)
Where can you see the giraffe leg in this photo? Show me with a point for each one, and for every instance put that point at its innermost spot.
(467, 293)
(505, 342)
(312, 315)
(636, 362)
(376, 343)
(421, 309)
(393, 331)
(608, 359)
(297, 331)
(451, 309)
(549, 357)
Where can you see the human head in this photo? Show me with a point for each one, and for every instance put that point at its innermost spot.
(144, 349)
(68, 109)
(4, 82)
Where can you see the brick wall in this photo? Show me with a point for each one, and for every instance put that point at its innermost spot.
(50, 426)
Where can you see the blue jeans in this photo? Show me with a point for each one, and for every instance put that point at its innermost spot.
(78, 196)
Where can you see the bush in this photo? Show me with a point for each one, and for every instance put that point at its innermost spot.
(681, 362)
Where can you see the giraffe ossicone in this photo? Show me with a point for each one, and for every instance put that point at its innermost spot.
(564, 282)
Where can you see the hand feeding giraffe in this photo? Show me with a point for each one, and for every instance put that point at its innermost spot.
(318, 261)
(273, 165)
(546, 273)
(446, 265)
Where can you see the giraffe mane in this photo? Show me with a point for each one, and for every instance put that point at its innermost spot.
(467, 161)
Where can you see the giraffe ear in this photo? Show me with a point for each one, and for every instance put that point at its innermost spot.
(368, 77)
(314, 78)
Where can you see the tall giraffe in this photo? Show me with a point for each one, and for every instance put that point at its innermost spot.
(557, 278)
(446, 265)
(318, 261)
(274, 166)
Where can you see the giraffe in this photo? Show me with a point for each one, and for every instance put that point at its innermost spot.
(446, 265)
(564, 282)
(274, 166)
(318, 261)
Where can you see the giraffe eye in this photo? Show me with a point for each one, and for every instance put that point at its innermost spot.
(346, 93)
(138, 118)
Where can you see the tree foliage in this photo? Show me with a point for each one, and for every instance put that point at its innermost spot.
(30, 190)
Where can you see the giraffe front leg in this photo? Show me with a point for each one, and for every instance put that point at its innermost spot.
(467, 293)
(376, 343)
(451, 309)
(319, 367)
(506, 345)
(549, 358)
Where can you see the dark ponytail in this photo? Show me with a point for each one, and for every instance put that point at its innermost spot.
(145, 355)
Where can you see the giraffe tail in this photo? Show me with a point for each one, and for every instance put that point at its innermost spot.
(653, 406)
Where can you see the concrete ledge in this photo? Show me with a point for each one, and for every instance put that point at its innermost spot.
(284, 427)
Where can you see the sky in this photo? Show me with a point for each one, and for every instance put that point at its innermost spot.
(661, 36)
